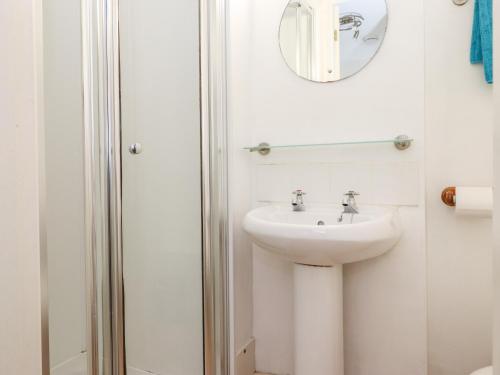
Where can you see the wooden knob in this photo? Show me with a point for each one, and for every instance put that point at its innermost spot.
(448, 196)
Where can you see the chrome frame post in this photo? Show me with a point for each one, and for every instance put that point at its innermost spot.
(38, 27)
(112, 267)
(101, 78)
(92, 180)
(214, 185)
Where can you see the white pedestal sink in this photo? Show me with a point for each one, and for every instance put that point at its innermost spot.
(318, 245)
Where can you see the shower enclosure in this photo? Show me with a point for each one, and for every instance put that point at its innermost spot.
(137, 202)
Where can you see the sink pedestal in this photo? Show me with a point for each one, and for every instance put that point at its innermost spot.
(318, 319)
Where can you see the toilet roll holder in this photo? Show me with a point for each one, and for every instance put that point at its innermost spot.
(449, 196)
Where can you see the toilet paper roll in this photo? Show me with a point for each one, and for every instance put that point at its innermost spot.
(474, 201)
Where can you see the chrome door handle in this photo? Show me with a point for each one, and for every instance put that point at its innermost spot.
(135, 148)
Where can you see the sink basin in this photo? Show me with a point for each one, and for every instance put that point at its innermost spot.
(315, 237)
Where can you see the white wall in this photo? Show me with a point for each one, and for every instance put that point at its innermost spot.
(459, 125)
(384, 298)
(64, 179)
(19, 187)
(496, 183)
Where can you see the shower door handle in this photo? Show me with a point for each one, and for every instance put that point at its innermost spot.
(135, 148)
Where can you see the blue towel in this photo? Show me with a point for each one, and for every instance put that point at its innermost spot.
(482, 38)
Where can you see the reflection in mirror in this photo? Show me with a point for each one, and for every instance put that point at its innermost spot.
(328, 40)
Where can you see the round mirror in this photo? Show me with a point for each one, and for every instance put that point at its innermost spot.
(328, 40)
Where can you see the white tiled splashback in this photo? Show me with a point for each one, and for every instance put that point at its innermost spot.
(378, 182)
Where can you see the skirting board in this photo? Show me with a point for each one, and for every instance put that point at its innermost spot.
(245, 359)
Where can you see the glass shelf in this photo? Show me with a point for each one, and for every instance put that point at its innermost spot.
(401, 142)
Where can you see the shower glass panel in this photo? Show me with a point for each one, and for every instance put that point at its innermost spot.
(64, 166)
(161, 186)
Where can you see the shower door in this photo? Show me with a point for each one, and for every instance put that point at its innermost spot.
(161, 186)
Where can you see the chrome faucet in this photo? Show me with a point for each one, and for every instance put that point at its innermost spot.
(349, 204)
(298, 201)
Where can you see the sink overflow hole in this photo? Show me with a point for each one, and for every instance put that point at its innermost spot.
(321, 222)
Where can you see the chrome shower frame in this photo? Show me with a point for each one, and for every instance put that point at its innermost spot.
(103, 217)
